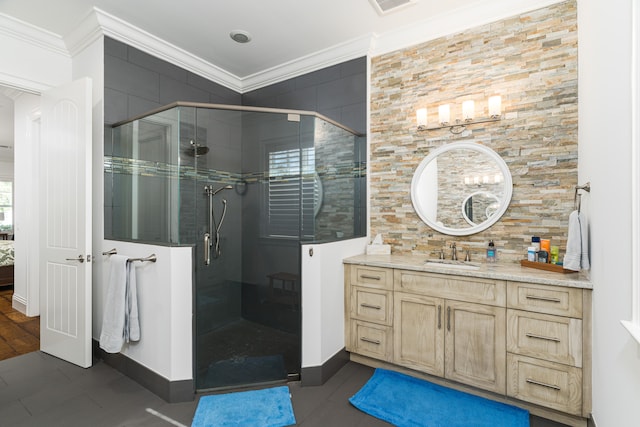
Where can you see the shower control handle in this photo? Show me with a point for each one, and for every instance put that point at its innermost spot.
(207, 248)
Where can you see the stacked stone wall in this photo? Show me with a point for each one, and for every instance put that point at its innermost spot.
(529, 60)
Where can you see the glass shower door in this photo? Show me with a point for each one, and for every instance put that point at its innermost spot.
(246, 332)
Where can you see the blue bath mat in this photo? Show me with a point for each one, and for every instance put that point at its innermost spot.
(405, 401)
(270, 407)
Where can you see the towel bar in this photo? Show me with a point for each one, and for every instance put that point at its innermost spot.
(150, 258)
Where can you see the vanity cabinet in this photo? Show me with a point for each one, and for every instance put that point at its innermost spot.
(518, 341)
(370, 308)
(459, 340)
(545, 344)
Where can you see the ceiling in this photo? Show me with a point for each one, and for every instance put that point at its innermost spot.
(282, 31)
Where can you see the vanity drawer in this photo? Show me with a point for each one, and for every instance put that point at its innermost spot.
(372, 277)
(553, 338)
(371, 305)
(460, 288)
(545, 299)
(372, 340)
(544, 383)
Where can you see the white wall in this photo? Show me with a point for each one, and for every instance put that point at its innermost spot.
(323, 299)
(26, 288)
(35, 61)
(605, 160)
(165, 307)
(6, 170)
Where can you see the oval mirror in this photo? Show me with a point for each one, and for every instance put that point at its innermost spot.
(461, 174)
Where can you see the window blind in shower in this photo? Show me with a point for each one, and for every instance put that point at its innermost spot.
(291, 193)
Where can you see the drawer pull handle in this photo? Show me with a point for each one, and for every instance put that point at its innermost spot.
(375, 307)
(365, 339)
(439, 316)
(539, 298)
(448, 318)
(541, 337)
(366, 276)
(555, 387)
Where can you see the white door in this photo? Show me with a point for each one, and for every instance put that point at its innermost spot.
(65, 223)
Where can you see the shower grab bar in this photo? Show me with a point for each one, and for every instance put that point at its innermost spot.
(207, 249)
(150, 258)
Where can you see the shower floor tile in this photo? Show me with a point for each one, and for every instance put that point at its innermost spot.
(242, 341)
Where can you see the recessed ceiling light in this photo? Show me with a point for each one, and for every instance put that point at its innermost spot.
(240, 36)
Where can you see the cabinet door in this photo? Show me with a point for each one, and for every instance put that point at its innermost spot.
(475, 345)
(418, 341)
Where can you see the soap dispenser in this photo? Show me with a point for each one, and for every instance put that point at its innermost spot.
(491, 252)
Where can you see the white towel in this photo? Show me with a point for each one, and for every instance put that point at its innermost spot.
(132, 324)
(577, 256)
(112, 337)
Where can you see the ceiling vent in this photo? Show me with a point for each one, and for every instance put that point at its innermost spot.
(384, 7)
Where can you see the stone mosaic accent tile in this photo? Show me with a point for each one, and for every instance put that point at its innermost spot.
(531, 61)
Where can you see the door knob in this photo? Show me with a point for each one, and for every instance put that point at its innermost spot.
(80, 258)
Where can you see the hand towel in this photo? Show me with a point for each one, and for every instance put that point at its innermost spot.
(111, 337)
(577, 256)
(132, 328)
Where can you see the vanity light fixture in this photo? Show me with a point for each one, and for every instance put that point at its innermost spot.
(468, 116)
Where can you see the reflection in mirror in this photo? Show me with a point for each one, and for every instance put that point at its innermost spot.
(463, 174)
(480, 206)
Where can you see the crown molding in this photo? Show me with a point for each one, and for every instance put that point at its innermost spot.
(454, 21)
(87, 32)
(122, 31)
(31, 34)
(99, 23)
(342, 52)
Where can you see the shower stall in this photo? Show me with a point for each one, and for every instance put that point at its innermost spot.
(245, 187)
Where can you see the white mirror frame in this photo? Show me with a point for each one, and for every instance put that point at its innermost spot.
(477, 193)
(417, 191)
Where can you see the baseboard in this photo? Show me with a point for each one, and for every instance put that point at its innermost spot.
(19, 303)
(170, 391)
(318, 375)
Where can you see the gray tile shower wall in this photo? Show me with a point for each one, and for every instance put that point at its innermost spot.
(338, 92)
(136, 82)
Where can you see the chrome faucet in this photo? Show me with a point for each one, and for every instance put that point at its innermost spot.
(454, 252)
(441, 255)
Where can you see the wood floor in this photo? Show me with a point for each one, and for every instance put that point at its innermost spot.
(19, 334)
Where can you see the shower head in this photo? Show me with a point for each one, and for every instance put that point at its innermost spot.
(197, 150)
(214, 192)
(200, 150)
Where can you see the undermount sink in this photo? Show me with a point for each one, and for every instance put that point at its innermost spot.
(450, 263)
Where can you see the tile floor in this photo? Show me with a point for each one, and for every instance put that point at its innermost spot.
(39, 390)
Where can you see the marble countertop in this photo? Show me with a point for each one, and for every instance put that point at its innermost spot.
(499, 271)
